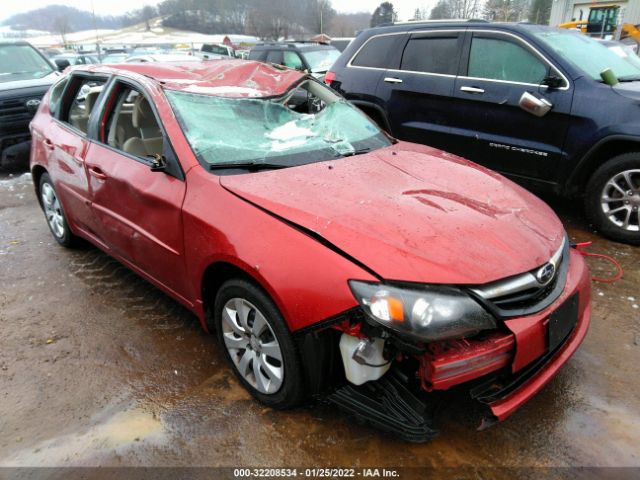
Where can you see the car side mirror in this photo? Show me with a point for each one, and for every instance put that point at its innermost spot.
(61, 63)
(534, 105)
(166, 162)
(552, 81)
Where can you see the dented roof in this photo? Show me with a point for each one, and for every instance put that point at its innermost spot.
(227, 78)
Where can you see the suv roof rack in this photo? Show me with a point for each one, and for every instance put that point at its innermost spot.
(448, 20)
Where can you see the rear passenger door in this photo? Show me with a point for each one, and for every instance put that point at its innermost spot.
(67, 141)
(359, 80)
(499, 67)
(417, 92)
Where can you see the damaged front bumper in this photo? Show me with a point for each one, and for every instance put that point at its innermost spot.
(501, 369)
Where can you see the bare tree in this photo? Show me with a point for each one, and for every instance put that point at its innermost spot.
(347, 24)
(62, 26)
(456, 9)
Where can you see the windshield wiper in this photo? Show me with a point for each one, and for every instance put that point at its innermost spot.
(629, 78)
(360, 151)
(247, 165)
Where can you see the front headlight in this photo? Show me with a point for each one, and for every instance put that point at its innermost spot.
(425, 314)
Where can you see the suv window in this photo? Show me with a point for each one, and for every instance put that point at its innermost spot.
(498, 59)
(292, 60)
(131, 124)
(374, 52)
(86, 92)
(56, 95)
(274, 56)
(256, 55)
(431, 55)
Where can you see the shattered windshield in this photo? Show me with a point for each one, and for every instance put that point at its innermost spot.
(297, 129)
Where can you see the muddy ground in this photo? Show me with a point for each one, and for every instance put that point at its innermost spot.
(97, 367)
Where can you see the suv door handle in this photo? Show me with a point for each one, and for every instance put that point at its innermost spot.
(472, 89)
(393, 80)
(98, 173)
(49, 144)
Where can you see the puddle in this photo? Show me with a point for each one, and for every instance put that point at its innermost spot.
(115, 434)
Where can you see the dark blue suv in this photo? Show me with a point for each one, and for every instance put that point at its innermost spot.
(526, 100)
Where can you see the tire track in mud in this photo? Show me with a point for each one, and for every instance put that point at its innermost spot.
(137, 298)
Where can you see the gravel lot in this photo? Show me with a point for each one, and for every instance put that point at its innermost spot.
(97, 367)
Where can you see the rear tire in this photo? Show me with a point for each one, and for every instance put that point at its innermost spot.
(612, 200)
(54, 213)
(258, 344)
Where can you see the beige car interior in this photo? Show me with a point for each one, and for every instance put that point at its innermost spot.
(133, 127)
(83, 104)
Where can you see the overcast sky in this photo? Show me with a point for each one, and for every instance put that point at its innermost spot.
(405, 8)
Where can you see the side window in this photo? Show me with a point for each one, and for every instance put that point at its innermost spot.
(256, 55)
(274, 56)
(431, 55)
(498, 59)
(374, 53)
(85, 92)
(55, 97)
(293, 60)
(131, 124)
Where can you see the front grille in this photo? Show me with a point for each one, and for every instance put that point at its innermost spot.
(14, 109)
(526, 298)
(524, 294)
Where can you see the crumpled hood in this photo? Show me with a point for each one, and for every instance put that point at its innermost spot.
(412, 213)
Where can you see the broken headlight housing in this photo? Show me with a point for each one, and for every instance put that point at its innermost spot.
(426, 313)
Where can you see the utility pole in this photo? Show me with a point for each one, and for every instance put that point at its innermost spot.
(95, 29)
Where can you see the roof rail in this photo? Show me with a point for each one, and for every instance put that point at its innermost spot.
(444, 20)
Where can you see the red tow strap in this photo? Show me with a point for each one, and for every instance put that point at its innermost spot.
(619, 272)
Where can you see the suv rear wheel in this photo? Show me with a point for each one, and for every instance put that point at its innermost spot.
(612, 199)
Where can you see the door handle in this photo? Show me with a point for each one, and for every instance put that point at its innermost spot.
(49, 144)
(472, 90)
(98, 173)
(393, 80)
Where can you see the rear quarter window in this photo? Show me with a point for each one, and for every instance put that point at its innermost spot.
(375, 52)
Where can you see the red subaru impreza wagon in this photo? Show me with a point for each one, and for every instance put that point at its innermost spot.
(331, 260)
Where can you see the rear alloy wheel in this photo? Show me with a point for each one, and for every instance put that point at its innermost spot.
(54, 213)
(258, 343)
(613, 198)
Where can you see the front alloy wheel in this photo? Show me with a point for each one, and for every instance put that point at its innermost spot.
(258, 343)
(620, 200)
(612, 198)
(252, 345)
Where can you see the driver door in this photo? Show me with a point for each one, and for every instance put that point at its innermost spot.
(498, 69)
(138, 211)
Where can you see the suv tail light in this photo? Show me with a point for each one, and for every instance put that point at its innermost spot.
(329, 77)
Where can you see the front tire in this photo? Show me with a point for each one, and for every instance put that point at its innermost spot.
(257, 342)
(54, 213)
(612, 200)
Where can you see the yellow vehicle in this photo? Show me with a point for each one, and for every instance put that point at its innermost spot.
(603, 21)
